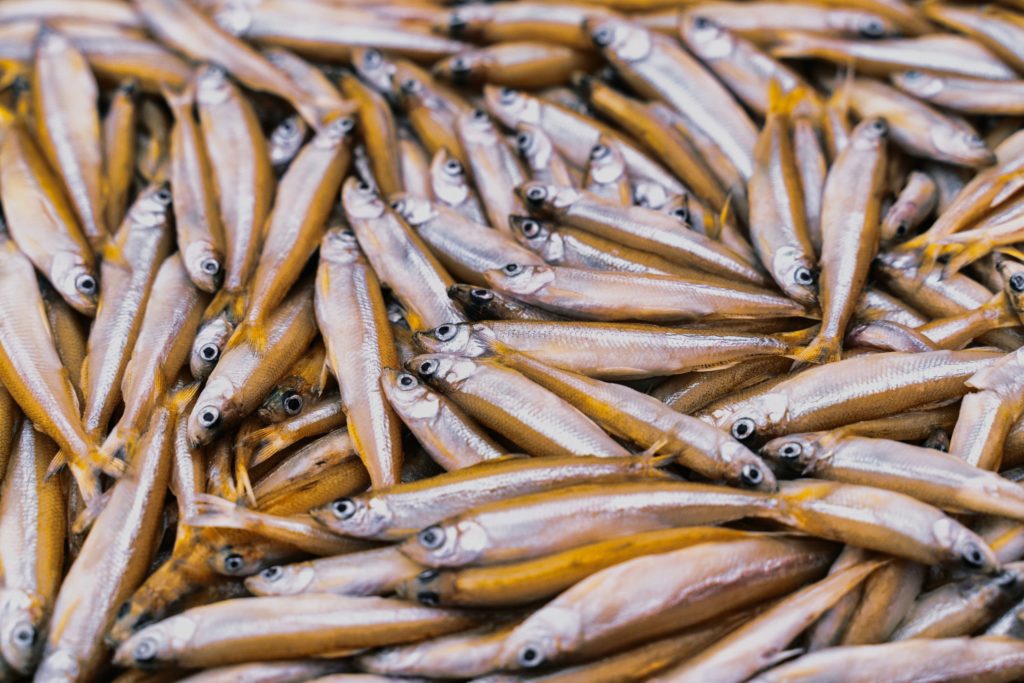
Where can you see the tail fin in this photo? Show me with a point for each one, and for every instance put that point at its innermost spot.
(212, 511)
(179, 401)
(797, 338)
(823, 349)
(781, 103)
(180, 101)
(231, 304)
(248, 332)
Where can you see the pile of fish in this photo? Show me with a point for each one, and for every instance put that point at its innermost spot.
(528, 341)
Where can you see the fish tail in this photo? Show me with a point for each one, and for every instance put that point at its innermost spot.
(822, 349)
(211, 511)
(794, 341)
(782, 103)
(268, 445)
(181, 99)
(179, 401)
(85, 519)
(249, 332)
(966, 255)
(231, 304)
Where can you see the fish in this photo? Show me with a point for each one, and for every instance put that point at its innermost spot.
(916, 201)
(41, 221)
(499, 396)
(515, 63)
(303, 383)
(351, 315)
(370, 572)
(64, 94)
(977, 96)
(449, 185)
(988, 413)
(378, 129)
(559, 23)
(493, 166)
(850, 215)
(542, 160)
(605, 175)
(481, 303)
(118, 138)
(997, 29)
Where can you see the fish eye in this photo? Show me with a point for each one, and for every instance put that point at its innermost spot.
(86, 284)
(445, 332)
(880, 127)
(530, 657)
(457, 24)
(409, 85)
(163, 195)
(480, 115)
(481, 295)
(428, 367)
(289, 126)
(428, 598)
(902, 228)
(432, 537)
(209, 417)
(343, 508)
(453, 167)
(912, 75)
(530, 228)
(973, 556)
(272, 573)
(373, 58)
(398, 205)
(682, 213)
(751, 475)
(292, 403)
(344, 124)
(536, 195)
(790, 450)
(407, 381)
(599, 151)
(702, 22)
(427, 575)
(513, 269)
(363, 186)
(348, 234)
(602, 37)
(523, 141)
(743, 428)
(146, 650)
(210, 266)
(507, 95)
(804, 276)
(1017, 282)
(24, 635)
(461, 67)
(234, 562)
(873, 28)
(974, 140)
(209, 352)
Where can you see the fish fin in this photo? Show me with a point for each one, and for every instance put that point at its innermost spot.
(798, 338)
(962, 255)
(254, 334)
(263, 444)
(181, 99)
(85, 519)
(116, 442)
(821, 350)
(212, 511)
(781, 103)
(1010, 251)
(323, 378)
(111, 252)
(243, 483)
(179, 400)
(231, 304)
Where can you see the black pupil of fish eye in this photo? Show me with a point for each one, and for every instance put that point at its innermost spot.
(209, 417)
(461, 65)
(701, 22)
(1017, 282)
(523, 140)
(873, 29)
(431, 537)
(272, 573)
(363, 186)
(211, 266)
(901, 229)
(445, 331)
(289, 126)
(292, 404)
(25, 635)
(603, 36)
(507, 94)
(912, 75)
(482, 294)
(974, 557)
(397, 205)
(529, 656)
(681, 214)
(536, 194)
(145, 650)
(86, 284)
(804, 276)
(428, 367)
(742, 428)
(373, 57)
(233, 562)
(752, 475)
(453, 167)
(790, 450)
(344, 508)
(880, 126)
(428, 598)
(512, 268)
(163, 196)
(406, 381)
(409, 85)
(479, 115)
(531, 228)
(598, 151)
(209, 352)
(427, 575)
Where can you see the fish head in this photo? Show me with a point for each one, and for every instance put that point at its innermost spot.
(212, 85)
(153, 207)
(797, 274)
(742, 467)
(442, 371)
(415, 211)
(283, 402)
(205, 265)
(238, 560)
(448, 544)
(542, 638)
(538, 237)
(76, 281)
(335, 133)
(465, 23)
(546, 200)
(519, 280)
(214, 409)
(920, 84)
(796, 454)
(359, 516)
(281, 579)
(361, 200)
(870, 133)
(651, 195)
(705, 37)
(619, 39)
(209, 343)
(156, 644)
(962, 547)
(865, 24)
(374, 68)
(534, 145)
(340, 245)
(448, 179)
(428, 587)
(410, 398)
(1012, 273)
(755, 418)
(22, 617)
(465, 339)
(605, 164)
(286, 139)
(512, 106)
(476, 128)
(466, 68)
(962, 143)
